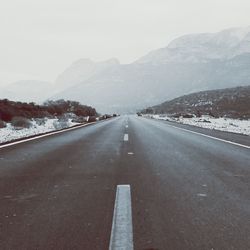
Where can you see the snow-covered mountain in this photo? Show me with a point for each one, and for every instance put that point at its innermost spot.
(197, 48)
(188, 64)
(81, 70)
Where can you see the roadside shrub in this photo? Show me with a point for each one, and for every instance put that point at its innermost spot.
(20, 122)
(60, 124)
(176, 115)
(80, 119)
(68, 116)
(92, 119)
(10, 109)
(108, 116)
(198, 113)
(63, 119)
(188, 116)
(2, 124)
(206, 121)
(40, 121)
(102, 118)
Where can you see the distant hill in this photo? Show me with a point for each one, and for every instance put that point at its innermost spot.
(230, 102)
(82, 70)
(188, 64)
(191, 63)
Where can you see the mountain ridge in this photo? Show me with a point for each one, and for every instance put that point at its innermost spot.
(189, 63)
(202, 47)
(228, 102)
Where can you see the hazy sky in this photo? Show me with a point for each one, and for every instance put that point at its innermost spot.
(39, 38)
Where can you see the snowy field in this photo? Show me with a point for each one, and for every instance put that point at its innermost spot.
(10, 133)
(223, 124)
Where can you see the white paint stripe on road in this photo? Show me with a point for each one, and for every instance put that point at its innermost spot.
(202, 195)
(122, 229)
(125, 137)
(45, 135)
(126, 126)
(211, 137)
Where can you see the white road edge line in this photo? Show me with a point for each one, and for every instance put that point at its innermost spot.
(125, 137)
(211, 137)
(122, 228)
(41, 136)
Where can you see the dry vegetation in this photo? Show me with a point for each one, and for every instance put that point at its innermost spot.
(231, 103)
(19, 113)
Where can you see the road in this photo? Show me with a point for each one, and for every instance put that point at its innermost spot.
(188, 191)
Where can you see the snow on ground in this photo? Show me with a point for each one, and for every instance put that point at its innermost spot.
(223, 124)
(10, 133)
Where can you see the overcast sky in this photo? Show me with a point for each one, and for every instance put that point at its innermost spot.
(39, 38)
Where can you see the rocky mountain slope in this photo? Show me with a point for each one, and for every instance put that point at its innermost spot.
(82, 70)
(230, 102)
(200, 48)
(188, 64)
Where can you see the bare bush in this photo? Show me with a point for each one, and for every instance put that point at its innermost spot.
(10, 109)
(63, 118)
(20, 122)
(2, 124)
(80, 119)
(40, 121)
(92, 119)
(60, 124)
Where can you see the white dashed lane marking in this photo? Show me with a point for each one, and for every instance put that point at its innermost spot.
(122, 228)
(202, 195)
(125, 137)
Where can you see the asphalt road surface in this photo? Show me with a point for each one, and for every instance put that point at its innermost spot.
(188, 191)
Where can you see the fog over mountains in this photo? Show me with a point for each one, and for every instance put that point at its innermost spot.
(27, 90)
(202, 48)
(188, 64)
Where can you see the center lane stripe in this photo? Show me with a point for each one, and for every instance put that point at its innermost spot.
(125, 137)
(122, 228)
